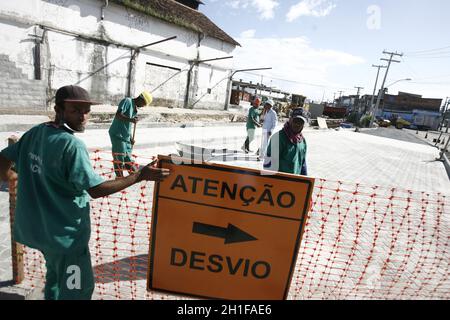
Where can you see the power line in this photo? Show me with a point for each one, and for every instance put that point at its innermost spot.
(299, 82)
(434, 77)
(431, 83)
(431, 57)
(409, 67)
(424, 51)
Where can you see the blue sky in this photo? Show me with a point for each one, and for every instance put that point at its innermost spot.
(319, 47)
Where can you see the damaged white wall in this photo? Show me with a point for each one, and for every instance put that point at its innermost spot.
(49, 43)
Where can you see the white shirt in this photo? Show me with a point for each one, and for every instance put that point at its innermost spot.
(270, 120)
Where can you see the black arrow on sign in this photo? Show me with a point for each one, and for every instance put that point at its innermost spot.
(231, 234)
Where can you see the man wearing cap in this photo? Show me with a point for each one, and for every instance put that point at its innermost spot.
(270, 122)
(287, 148)
(120, 132)
(252, 123)
(55, 181)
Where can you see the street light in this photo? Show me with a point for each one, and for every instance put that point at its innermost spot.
(407, 79)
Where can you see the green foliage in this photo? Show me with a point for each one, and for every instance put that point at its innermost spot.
(365, 121)
(352, 117)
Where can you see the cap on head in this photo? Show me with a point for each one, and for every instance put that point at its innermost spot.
(147, 97)
(269, 101)
(298, 113)
(73, 93)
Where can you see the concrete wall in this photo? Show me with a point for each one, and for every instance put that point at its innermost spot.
(315, 109)
(16, 90)
(61, 42)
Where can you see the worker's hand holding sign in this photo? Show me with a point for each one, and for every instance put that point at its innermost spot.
(151, 173)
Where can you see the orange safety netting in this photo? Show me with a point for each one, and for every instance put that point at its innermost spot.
(360, 242)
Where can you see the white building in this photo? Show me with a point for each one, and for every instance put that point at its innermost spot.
(45, 44)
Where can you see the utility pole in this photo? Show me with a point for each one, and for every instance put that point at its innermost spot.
(260, 90)
(381, 92)
(444, 113)
(375, 86)
(356, 105)
(447, 123)
(340, 95)
(359, 89)
(334, 97)
(357, 94)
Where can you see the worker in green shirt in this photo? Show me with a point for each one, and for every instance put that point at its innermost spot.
(120, 132)
(252, 123)
(55, 181)
(286, 151)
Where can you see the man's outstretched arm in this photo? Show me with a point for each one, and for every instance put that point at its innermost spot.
(147, 173)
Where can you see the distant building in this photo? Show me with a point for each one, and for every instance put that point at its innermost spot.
(422, 112)
(346, 101)
(242, 91)
(364, 103)
(406, 102)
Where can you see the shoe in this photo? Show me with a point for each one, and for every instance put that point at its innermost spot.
(245, 150)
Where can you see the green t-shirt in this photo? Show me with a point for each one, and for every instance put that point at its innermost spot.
(52, 208)
(119, 128)
(252, 114)
(292, 157)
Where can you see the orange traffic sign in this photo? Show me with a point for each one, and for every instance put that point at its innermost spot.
(226, 232)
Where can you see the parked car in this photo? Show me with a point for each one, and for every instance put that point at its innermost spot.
(384, 123)
(346, 125)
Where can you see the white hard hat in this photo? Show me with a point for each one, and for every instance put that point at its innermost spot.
(269, 101)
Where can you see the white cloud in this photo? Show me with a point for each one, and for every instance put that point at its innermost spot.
(293, 59)
(248, 34)
(315, 8)
(265, 8)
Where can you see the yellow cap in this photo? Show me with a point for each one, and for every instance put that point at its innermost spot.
(147, 97)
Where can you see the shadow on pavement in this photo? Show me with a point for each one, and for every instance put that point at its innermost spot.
(127, 269)
(9, 295)
(396, 134)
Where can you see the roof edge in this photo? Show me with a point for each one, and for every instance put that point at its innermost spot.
(168, 18)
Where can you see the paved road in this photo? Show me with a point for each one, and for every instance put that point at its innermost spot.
(392, 133)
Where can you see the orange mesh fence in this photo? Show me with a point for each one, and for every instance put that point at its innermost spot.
(360, 242)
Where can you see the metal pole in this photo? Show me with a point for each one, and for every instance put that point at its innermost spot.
(16, 248)
(132, 62)
(441, 156)
(444, 111)
(231, 81)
